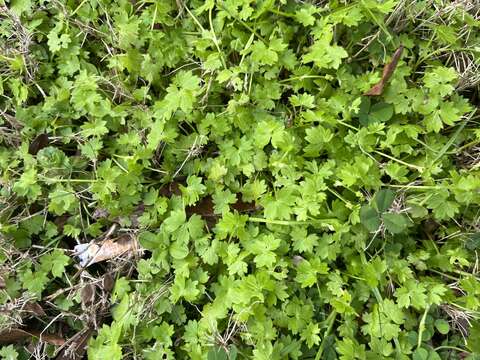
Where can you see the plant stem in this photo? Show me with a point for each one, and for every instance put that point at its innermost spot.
(417, 187)
(330, 321)
(447, 347)
(281, 13)
(292, 222)
(418, 168)
(421, 327)
(302, 77)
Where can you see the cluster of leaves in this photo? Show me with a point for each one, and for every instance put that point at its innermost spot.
(284, 214)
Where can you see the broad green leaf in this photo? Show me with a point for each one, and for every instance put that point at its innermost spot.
(217, 353)
(395, 223)
(384, 199)
(370, 218)
(442, 326)
(380, 112)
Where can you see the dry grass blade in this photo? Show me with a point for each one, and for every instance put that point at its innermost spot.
(76, 346)
(460, 319)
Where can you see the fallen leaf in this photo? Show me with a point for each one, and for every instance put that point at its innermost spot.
(34, 308)
(92, 253)
(15, 335)
(88, 294)
(108, 282)
(61, 221)
(37, 144)
(49, 338)
(170, 189)
(204, 208)
(388, 70)
(244, 207)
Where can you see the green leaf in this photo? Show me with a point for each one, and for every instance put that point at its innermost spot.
(179, 250)
(384, 199)
(370, 218)
(420, 354)
(181, 94)
(174, 221)
(217, 353)
(308, 271)
(263, 55)
(473, 241)
(442, 326)
(412, 294)
(34, 282)
(311, 335)
(439, 80)
(27, 185)
(472, 341)
(380, 112)
(305, 15)
(232, 352)
(395, 223)
(20, 6)
(8, 353)
(323, 54)
(305, 100)
(318, 137)
(194, 189)
(61, 200)
(56, 262)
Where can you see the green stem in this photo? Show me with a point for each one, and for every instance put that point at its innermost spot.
(421, 327)
(444, 274)
(302, 77)
(447, 347)
(418, 168)
(330, 321)
(464, 273)
(52, 180)
(417, 187)
(450, 142)
(294, 222)
(377, 294)
(347, 125)
(347, 203)
(215, 40)
(281, 13)
(466, 146)
(194, 18)
(78, 7)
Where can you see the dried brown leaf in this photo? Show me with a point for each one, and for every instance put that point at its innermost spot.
(388, 70)
(88, 294)
(108, 282)
(16, 335)
(37, 144)
(109, 249)
(34, 308)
